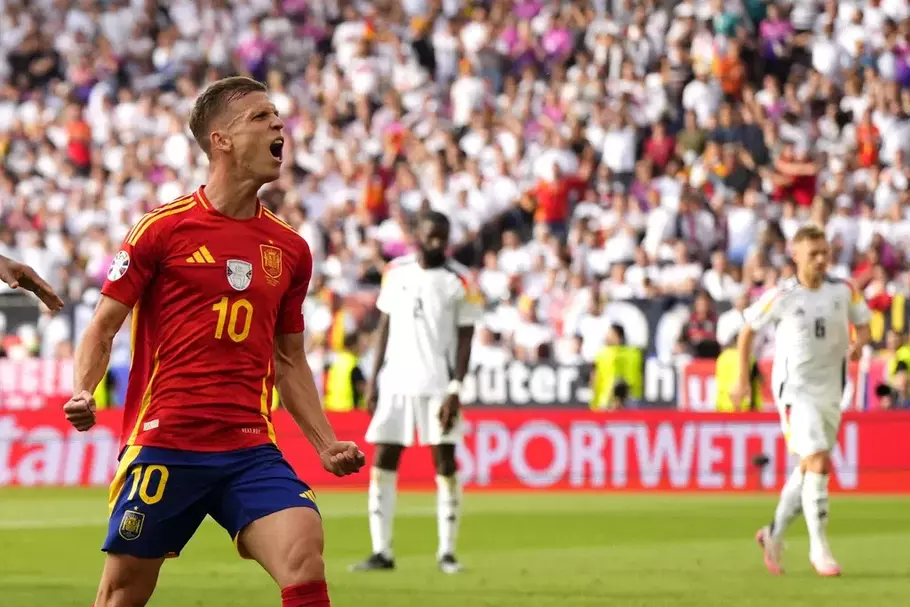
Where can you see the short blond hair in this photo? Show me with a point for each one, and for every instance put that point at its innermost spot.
(809, 233)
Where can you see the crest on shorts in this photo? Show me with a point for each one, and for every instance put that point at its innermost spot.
(271, 262)
(131, 524)
(239, 274)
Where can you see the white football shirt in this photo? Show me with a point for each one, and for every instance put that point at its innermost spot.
(811, 338)
(426, 308)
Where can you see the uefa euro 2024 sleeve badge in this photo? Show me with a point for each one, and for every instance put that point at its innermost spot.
(239, 274)
(119, 265)
(131, 525)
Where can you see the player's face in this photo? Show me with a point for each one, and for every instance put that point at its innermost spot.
(812, 257)
(433, 238)
(254, 131)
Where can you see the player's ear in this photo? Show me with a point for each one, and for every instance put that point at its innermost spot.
(220, 140)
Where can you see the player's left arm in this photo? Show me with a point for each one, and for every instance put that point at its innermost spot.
(296, 385)
(859, 315)
(468, 312)
(298, 393)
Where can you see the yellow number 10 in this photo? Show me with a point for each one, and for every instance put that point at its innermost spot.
(237, 334)
(145, 474)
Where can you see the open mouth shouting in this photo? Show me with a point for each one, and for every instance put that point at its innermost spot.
(276, 148)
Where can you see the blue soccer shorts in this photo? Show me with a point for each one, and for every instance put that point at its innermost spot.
(159, 497)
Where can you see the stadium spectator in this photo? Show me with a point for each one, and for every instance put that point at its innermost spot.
(699, 335)
(895, 396)
(345, 382)
(618, 375)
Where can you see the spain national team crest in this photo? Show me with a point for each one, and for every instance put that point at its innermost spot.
(239, 274)
(271, 263)
(131, 525)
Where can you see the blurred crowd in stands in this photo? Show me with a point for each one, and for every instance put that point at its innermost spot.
(586, 151)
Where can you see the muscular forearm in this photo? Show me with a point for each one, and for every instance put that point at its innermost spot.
(744, 349)
(863, 336)
(463, 352)
(92, 358)
(297, 391)
(381, 344)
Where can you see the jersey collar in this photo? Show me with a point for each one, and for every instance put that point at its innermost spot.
(203, 201)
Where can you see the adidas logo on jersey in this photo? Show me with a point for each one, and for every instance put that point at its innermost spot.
(201, 255)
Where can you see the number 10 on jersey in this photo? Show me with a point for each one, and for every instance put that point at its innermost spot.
(238, 316)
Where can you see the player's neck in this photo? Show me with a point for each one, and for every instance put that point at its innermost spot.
(432, 264)
(814, 283)
(429, 266)
(232, 197)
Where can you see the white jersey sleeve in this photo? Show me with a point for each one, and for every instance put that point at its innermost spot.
(766, 310)
(857, 310)
(467, 296)
(384, 302)
(468, 305)
(391, 287)
(469, 312)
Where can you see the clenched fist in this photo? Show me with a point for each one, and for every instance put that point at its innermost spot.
(80, 411)
(342, 458)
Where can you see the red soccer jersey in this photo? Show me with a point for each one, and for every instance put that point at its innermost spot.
(209, 293)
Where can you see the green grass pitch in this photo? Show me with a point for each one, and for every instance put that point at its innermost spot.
(521, 549)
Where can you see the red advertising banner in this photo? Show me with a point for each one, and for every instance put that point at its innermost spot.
(530, 449)
(698, 391)
(34, 383)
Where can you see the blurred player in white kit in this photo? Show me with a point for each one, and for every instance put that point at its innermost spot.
(429, 307)
(813, 314)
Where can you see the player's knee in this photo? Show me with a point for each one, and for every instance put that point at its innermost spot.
(819, 463)
(120, 591)
(127, 582)
(444, 460)
(123, 597)
(386, 457)
(304, 563)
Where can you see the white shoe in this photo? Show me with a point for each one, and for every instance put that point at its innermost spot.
(824, 564)
(449, 564)
(771, 549)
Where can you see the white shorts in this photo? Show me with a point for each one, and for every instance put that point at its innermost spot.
(810, 428)
(398, 417)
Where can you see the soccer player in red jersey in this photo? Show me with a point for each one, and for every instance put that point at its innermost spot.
(216, 285)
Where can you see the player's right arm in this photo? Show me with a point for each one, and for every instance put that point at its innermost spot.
(371, 398)
(757, 316)
(132, 268)
(859, 315)
(384, 305)
(91, 361)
